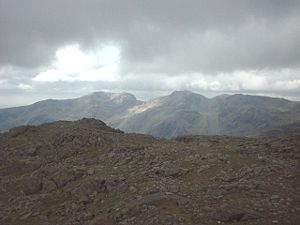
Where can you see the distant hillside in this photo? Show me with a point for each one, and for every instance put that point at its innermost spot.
(99, 105)
(181, 113)
(184, 113)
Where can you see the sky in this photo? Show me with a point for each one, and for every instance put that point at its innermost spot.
(69, 48)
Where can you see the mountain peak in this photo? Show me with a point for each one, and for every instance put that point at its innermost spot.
(115, 96)
(185, 93)
(122, 96)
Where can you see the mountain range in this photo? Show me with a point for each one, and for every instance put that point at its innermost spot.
(180, 113)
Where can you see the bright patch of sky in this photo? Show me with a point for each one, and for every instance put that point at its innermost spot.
(72, 64)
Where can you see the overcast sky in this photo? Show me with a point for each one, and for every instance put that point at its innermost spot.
(69, 48)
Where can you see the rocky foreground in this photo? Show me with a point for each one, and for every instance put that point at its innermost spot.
(85, 173)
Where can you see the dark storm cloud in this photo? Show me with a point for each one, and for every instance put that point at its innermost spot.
(170, 36)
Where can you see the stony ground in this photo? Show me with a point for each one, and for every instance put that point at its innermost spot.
(72, 173)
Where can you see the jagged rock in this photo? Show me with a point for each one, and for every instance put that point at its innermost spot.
(61, 175)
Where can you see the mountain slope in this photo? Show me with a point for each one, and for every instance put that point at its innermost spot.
(250, 115)
(181, 113)
(293, 128)
(99, 105)
(184, 113)
(178, 114)
(86, 173)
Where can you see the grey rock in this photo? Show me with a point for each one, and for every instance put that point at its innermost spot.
(229, 215)
(32, 185)
(32, 151)
(48, 185)
(103, 220)
(87, 190)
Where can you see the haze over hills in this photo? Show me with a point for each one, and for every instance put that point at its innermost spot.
(180, 113)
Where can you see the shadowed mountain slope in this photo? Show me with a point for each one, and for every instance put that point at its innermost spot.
(183, 113)
(293, 128)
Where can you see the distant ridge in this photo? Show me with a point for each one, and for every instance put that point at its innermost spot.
(180, 113)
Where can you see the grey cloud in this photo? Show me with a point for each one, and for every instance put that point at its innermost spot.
(156, 36)
(162, 43)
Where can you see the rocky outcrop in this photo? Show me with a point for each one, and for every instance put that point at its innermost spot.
(85, 173)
